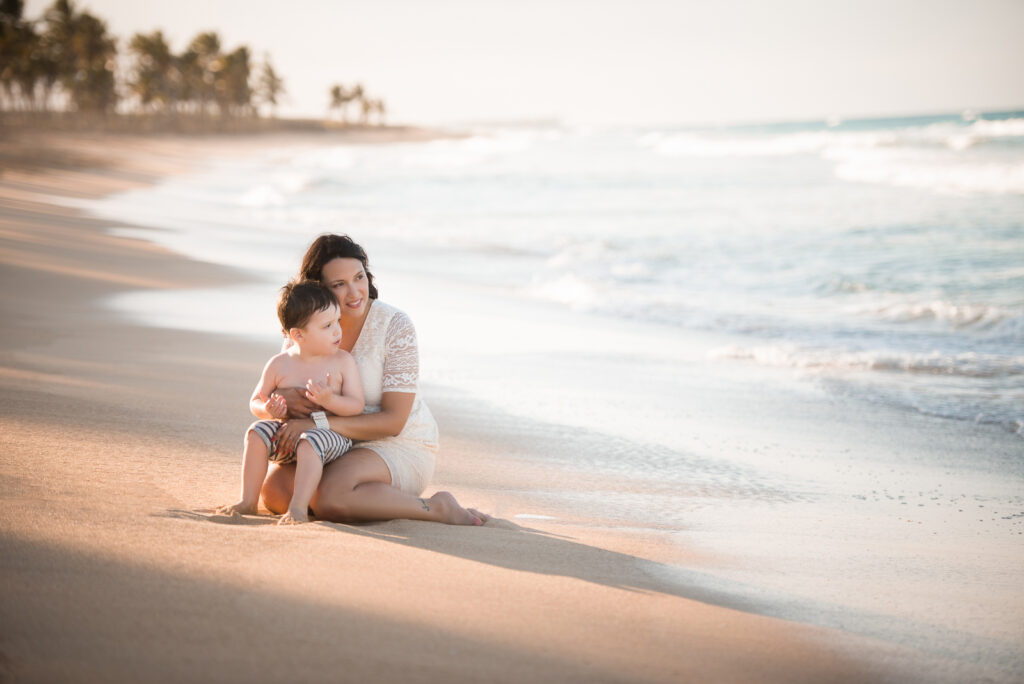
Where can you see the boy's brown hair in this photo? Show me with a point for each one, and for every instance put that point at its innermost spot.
(299, 300)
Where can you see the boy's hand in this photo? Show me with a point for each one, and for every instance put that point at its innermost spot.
(318, 393)
(275, 405)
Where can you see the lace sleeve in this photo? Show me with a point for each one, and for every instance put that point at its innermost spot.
(401, 355)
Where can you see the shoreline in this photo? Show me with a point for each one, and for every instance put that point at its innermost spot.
(113, 449)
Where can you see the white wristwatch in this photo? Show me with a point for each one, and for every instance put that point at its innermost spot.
(320, 418)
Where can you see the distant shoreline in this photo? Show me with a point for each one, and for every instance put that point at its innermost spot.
(43, 147)
(14, 121)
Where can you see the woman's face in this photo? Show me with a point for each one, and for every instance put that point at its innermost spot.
(347, 280)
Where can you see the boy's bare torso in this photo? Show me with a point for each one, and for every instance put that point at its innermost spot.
(291, 372)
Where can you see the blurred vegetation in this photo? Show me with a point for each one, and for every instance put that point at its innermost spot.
(65, 70)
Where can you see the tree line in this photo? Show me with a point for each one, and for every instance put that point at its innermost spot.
(67, 60)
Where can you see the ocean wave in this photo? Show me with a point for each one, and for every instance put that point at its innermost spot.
(958, 137)
(275, 193)
(980, 131)
(261, 196)
(842, 285)
(999, 405)
(1008, 330)
(942, 174)
(696, 145)
(567, 289)
(474, 150)
(935, 156)
(970, 364)
(959, 316)
(331, 159)
(602, 261)
(951, 136)
(760, 145)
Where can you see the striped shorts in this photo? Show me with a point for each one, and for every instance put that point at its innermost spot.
(327, 444)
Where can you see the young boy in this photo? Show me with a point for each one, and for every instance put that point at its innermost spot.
(309, 317)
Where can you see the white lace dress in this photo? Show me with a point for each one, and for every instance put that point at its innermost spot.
(388, 359)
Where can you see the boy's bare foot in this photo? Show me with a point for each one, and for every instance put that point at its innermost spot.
(450, 510)
(239, 508)
(293, 518)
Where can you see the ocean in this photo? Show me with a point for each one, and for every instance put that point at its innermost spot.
(797, 346)
(881, 259)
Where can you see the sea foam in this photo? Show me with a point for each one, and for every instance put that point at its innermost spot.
(937, 156)
(869, 249)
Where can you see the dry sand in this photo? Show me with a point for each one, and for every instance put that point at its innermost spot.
(118, 439)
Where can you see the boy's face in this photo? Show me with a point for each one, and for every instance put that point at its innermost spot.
(322, 334)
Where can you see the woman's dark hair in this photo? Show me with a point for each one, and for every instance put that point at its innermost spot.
(328, 247)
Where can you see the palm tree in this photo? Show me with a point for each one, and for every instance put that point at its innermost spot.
(270, 86)
(84, 56)
(95, 53)
(381, 109)
(232, 83)
(10, 13)
(189, 80)
(19, 45)
(10, 46)
(358, 94)
(199, 66)
(74, 49)
(366, 109)
(153, 76)
(339, 98)
(56, 39)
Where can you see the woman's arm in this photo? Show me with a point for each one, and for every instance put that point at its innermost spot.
(298, 405)
(395, 408)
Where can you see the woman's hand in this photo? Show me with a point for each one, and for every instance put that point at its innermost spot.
(288, 435)
(298, 405)
(319, 393)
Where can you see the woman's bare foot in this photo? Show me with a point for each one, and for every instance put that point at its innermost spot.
(450, 510)
(239, 508)
(483, 516)
(293, 518)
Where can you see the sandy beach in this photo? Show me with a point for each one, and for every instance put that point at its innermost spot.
(119, 440)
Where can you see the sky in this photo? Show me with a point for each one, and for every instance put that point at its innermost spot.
(615, 62)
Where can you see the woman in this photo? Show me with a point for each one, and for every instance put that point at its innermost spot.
(392, 460)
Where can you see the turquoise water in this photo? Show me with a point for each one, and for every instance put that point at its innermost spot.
(877, 258)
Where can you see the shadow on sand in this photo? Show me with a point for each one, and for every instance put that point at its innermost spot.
(526, 549)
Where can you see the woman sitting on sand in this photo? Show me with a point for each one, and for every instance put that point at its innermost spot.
(392, 460)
